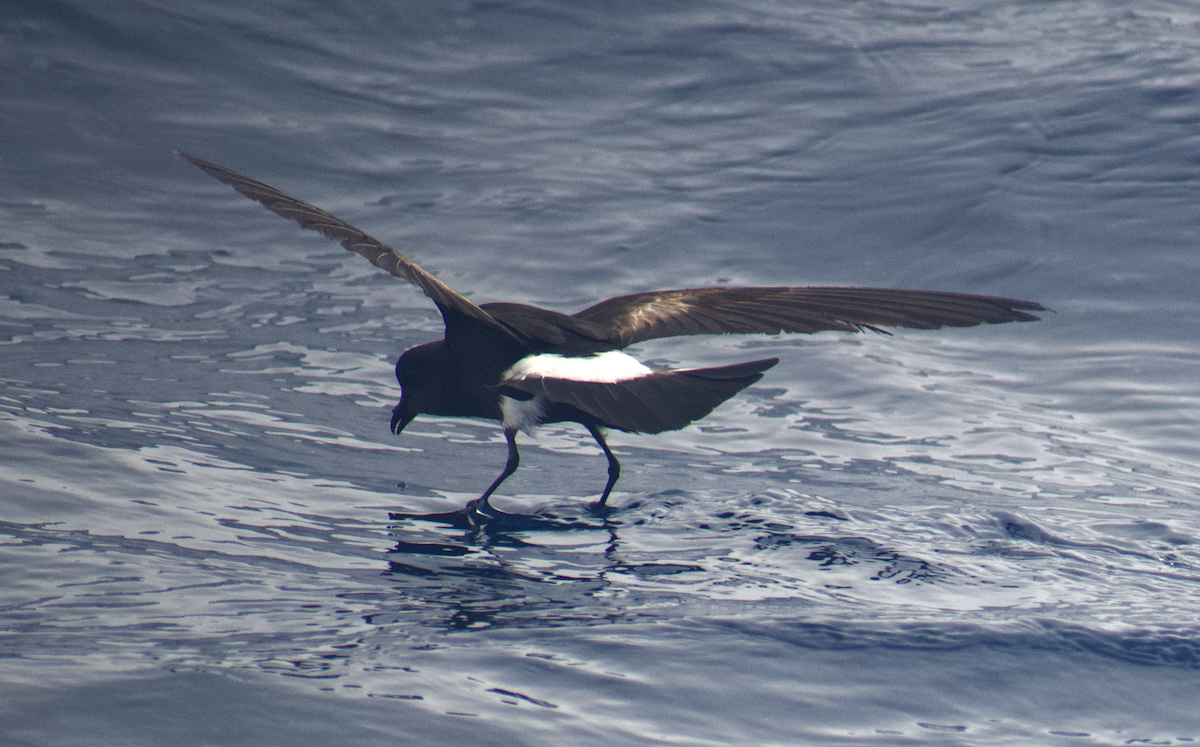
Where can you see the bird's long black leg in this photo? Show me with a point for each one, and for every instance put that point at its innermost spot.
(614, 467)
(514, 461)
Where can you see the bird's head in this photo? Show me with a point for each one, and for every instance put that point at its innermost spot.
(421, 372)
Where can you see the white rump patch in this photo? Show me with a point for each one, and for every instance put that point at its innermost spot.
(608, 367)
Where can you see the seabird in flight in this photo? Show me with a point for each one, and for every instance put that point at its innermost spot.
(524, 366)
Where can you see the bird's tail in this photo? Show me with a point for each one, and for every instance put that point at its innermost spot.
(663, 401)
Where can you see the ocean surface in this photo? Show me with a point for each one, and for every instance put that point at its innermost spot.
(980, 536)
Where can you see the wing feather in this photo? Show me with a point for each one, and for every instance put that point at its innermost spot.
(645, 316)
(625, 320)
(353, 238)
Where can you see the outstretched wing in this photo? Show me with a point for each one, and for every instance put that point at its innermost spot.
(704, 311)
(354, 239)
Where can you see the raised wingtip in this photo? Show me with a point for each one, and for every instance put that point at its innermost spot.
(1019, 309)
(196, 161)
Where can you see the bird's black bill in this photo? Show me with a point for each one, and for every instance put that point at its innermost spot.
(400, 418)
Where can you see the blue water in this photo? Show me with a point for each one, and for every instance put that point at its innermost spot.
(963, 537)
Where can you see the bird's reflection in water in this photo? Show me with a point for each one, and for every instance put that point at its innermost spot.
(562, 564)
(497, 523)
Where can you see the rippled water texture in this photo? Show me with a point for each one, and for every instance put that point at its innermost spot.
(967, 537)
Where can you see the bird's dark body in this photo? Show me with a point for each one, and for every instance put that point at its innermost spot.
(462, 377)
(525, 366)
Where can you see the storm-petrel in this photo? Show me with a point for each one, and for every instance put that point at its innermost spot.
(525, 366)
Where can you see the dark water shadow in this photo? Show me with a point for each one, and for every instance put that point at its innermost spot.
(1156, 646)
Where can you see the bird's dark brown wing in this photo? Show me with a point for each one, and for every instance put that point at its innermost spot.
(657, 402)
(549, 326)
(354, 239)
(704, 311)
